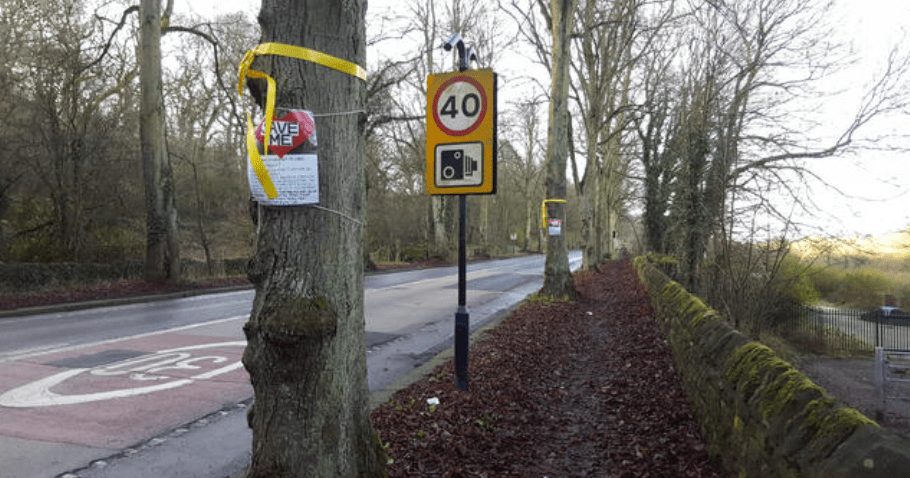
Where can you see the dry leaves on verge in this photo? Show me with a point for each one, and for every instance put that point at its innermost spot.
(584, 389)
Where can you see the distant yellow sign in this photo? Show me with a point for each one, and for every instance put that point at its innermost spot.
(461, 133)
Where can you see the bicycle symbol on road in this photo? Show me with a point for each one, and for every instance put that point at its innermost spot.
(158, 371)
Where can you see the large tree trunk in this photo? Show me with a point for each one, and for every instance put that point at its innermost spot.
(162, 260)
(306, 353)
(557, 275)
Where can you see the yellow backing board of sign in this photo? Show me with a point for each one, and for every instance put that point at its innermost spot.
(461, 133)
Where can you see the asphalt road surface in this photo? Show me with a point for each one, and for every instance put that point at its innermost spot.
(157, 389)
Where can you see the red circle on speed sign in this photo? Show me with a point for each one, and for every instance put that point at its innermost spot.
(459, 106)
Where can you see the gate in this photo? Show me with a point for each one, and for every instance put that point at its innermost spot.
(892, 374)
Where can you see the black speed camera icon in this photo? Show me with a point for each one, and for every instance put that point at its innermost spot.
(456, 164)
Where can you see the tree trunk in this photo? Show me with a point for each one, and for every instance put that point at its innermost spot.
(583, 190)
(201, 214)
(485, 225)
(529, 218)
(611, 183)
(162, 261)
(441, 237)
(589, 232)
(306, 355)
(557, 275)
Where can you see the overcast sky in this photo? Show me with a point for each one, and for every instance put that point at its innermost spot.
(877, 184)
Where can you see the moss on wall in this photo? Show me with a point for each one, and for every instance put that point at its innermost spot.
(759, 415)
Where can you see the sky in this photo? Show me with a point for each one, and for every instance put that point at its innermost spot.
(859, 194)
(876, 183)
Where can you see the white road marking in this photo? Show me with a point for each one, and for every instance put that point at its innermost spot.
(29, 353)
(39, 394)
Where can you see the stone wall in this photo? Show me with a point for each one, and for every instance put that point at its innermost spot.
(760, 416)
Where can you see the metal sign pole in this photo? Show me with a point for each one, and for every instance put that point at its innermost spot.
(461, 160)
(462, 317)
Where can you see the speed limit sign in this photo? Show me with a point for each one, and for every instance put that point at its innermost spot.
(461, 133)
(460, 105)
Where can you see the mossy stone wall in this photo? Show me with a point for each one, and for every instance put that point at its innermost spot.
(760, 416)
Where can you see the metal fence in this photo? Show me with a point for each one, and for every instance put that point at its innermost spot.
(850, 331)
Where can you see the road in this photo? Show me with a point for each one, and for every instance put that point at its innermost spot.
(157, 389)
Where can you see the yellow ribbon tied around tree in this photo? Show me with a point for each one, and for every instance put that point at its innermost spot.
(300, 53)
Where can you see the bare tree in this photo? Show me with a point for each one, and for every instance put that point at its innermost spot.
(735, 130)
(60, 114)
(654, 125)
(306, 353)
(162, 242)
(73, 89)
(162, 232)
(529, 169)
(202, 131)
(557, 275)
(603, 70)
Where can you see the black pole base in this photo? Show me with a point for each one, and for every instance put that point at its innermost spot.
(462, 336)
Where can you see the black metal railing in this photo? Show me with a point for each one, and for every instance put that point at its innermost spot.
(842, 330)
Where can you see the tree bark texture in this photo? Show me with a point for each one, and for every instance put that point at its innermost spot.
(305, 354)
(442, 222)
(162, 260)
(557, 275)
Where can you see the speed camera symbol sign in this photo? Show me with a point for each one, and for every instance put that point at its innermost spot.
(458, 164)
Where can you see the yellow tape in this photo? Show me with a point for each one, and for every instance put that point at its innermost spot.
(300, 53)
(256, 161)
(543, 210)
(244, 71)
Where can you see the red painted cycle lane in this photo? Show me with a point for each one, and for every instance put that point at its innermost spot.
(118, 394)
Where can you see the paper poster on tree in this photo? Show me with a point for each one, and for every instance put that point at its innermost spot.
(555, 227)
(291, 161)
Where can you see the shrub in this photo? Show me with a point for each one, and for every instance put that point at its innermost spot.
(414, 252)
(863, 289)
(826, 280)
(795, 283)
